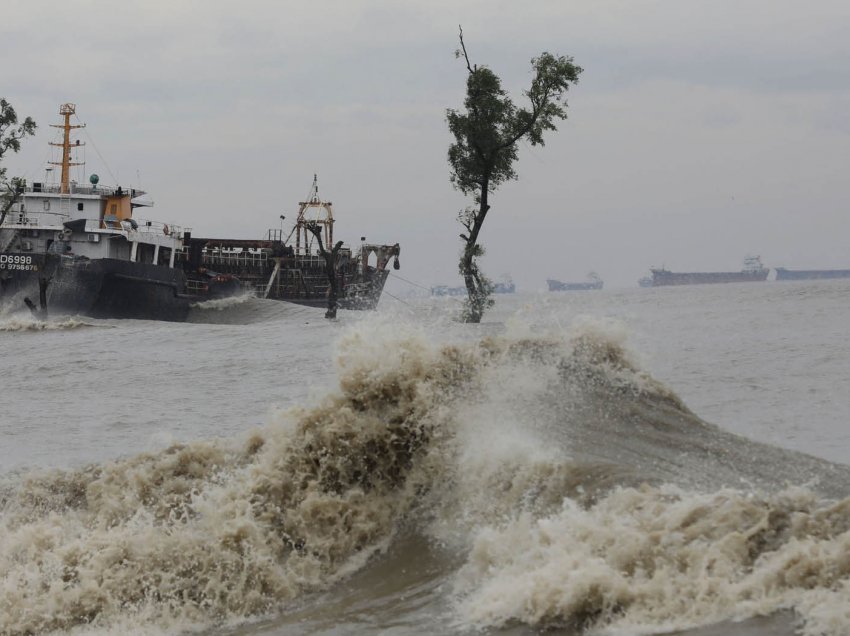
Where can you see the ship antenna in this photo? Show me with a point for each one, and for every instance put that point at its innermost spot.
(100, 156)
(66, 110)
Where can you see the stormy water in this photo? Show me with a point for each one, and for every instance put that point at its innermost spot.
(644, 461)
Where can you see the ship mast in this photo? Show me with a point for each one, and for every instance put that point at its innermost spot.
(324, 217)
(67, 110)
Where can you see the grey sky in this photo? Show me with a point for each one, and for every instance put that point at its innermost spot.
(700, 132)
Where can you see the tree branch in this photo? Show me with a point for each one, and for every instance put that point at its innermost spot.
(463, 48)
(11, 197)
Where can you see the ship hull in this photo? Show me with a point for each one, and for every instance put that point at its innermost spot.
(810, 274)
(662, 278)
(268, 269)
(100, 288)
(556, 285)
(113, 288)
(356, 296)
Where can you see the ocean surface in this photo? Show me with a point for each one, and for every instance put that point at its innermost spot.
(641, 461)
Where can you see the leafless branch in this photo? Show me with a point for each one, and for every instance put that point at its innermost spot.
(463, 48)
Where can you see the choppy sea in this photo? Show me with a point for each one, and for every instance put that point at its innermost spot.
(642, 461)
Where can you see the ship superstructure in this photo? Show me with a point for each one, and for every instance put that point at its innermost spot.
(295, 271)
(84, 247)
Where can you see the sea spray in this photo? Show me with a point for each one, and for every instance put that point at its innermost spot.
(221, 304)
(214, 531)
(247, 309)
(28, 323)
(650, 560)
(505, 445)
(625, 550)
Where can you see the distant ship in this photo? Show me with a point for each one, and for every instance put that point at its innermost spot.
(810, 274)
(753, 272)
(593, 282)
(504, 286)
(645, 281)
(445, 290)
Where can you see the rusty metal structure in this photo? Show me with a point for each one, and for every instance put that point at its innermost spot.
(272, 268)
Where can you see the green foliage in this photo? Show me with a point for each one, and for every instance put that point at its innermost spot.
(10, 132)
(10, 141)
(489, 128)
(486, 136)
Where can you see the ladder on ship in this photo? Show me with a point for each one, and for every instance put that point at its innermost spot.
(65, 204)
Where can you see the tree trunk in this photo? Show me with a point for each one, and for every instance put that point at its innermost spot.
(333, 283)
(330, 270)
(477, 295)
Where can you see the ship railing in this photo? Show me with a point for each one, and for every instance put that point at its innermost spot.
(195, 286)
(148, 227)
(244, 258)
(80, 188)
(356, 289)
(36, 220)
(310, 261)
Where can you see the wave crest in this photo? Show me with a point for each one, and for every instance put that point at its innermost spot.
(30, 324)
(660, 559)
(548, 449)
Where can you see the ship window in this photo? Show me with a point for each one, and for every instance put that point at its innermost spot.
(80, 207)
(46, 205)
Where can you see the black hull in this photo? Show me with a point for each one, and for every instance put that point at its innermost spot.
(810, 274)
(112, 288)
(102, 288)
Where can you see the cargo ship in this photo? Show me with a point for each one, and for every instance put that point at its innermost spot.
(593, 282)
(810, 274)
(445, 290)
(752, 272)
(504, 286)
(82, 249)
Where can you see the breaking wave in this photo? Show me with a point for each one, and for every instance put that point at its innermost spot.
(649, 560)
(246, 309)
(219, 304)
(31, 324)
(573, 490)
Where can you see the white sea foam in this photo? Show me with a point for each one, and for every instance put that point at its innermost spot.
(542, 459)
(221, 304)
(30, 324)
(652, 560)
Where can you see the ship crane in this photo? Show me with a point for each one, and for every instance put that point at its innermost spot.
(324, 217)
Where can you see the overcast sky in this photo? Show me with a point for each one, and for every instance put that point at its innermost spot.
(700, 131)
